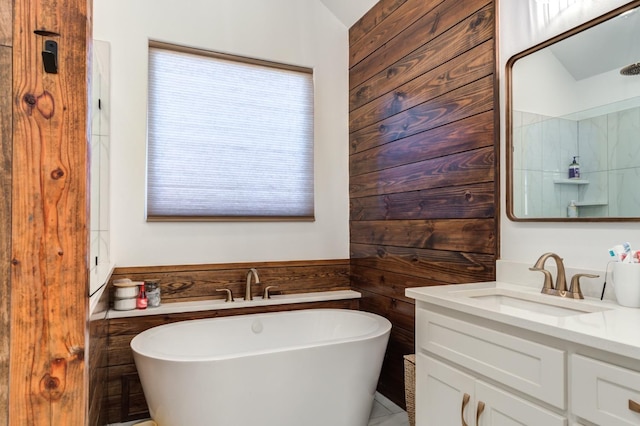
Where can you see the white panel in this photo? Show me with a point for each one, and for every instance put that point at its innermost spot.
(504, 409)
(440, 390)
(535, 369)
(348, 12)
(600, 392)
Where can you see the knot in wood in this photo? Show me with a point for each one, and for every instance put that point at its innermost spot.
(468, 196)
(475, 23)
(30, 99)
(391, 72)
(57, 173)
(363, 92)
(50, 383)
(51, 387)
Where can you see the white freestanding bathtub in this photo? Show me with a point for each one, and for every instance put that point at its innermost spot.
(315, 367)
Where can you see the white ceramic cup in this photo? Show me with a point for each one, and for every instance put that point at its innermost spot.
(626, 284)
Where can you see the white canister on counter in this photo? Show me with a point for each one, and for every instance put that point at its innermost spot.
(124, 304)
(125, 294)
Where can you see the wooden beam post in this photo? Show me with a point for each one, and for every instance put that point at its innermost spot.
(6, 33)
(49, 266)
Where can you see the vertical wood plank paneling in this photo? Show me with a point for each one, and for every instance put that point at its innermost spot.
(6, 22)
(6, 30)
(98, 363)
(423, 153)
(49, 217)
(5, 219)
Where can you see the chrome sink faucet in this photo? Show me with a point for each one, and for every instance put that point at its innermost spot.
(252, 272)
(560, 289)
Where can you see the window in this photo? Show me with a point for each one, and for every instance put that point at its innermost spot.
(228, 138)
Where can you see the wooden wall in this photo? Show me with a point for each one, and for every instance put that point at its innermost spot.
(423, 157)
(6, 18)
(199, 282)
(98, 362)
(183, 283)
(49, 212)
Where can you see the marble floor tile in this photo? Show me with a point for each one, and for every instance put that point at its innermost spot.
(383, 413)
(398, 419)
(386, 413)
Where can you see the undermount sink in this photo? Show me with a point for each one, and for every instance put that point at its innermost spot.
(508, 302)
(518, 303)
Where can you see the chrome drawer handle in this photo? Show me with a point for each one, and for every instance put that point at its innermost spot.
(479, 412)
(465, 401)
(634, 406)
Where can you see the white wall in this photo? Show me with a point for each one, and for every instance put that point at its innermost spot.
(349, 11)
(583, 245)
(299, 32)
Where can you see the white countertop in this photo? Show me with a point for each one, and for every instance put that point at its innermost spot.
(216, 304)
(612, 328)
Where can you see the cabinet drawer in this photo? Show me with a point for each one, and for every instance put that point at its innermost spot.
(505, 409)
(601, 392)
(530, 367)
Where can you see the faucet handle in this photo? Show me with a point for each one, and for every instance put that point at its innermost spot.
(574, 290)
(229, 294)
(547, 287)
(266, 294)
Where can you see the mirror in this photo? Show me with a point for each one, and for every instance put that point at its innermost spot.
(576, 95)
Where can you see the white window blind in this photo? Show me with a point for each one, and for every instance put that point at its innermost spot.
(228, 138)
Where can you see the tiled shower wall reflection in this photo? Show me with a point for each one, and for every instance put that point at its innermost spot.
(100, 264)
(608, 147)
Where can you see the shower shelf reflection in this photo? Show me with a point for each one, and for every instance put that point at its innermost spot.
(571, 181)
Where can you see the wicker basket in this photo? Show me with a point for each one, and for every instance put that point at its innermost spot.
(410, 387)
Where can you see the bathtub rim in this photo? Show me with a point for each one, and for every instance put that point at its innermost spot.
(383, 328)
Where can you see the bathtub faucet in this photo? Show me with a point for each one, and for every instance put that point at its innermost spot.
(247, 293)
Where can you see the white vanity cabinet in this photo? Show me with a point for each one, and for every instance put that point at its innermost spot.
(531, 359)
(445, 395)
(603, 393)
(448, 396)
